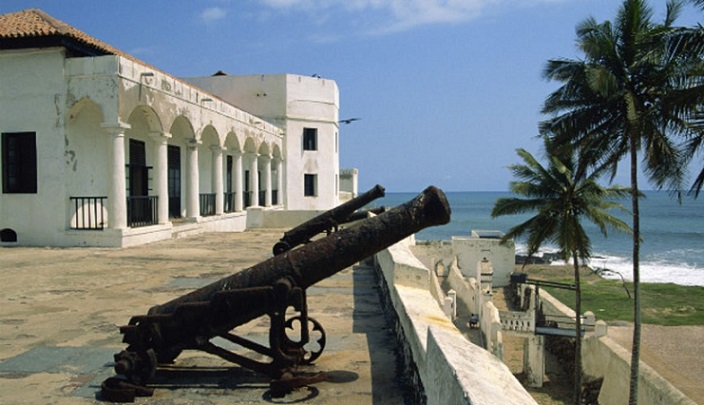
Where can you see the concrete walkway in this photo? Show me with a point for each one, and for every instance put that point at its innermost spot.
(60, 310)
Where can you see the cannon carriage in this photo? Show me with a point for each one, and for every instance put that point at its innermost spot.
(275, 288)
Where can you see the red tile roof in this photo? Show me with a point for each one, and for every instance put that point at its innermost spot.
(35, 24)
(35, 28)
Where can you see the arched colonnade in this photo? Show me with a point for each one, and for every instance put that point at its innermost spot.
(160, 166)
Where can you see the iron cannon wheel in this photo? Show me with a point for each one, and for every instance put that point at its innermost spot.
(309, 356)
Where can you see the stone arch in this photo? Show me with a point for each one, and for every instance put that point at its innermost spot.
(232, 142)
(148, 117)
(250, 145)
(232, 172)
(182, 136)
(182, 128)
(250, 178)
(209, 136)
(140, 152)
(8, 235)
(263, 149)
(276, 151)
(86, 149)
(277, 174)
(209, 148)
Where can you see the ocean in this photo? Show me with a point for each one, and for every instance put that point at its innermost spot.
(672, 248)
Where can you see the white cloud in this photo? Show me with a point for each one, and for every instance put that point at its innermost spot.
(212, 14)
(400, 15)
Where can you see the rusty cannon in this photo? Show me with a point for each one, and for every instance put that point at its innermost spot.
(275, 288)
(330, 220)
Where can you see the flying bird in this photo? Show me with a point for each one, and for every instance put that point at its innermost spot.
(349, 120)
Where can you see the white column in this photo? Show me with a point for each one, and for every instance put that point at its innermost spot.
(238, 181)
(267, 180)
(117, 194)
(217, 179)
(161, 174)
(280, 182)
(254, 180)
(193, 186)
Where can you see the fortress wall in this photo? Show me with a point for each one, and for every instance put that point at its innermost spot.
(604, 358)
(466, 292)
(451, 369)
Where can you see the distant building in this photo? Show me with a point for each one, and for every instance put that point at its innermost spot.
(101, 149)
(485, 246)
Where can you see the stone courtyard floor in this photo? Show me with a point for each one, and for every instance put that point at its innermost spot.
(60, 310)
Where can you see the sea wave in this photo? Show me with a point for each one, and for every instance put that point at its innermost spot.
(662, 269)
(650, 271)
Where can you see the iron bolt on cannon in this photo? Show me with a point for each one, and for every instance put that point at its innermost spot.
(270, 288)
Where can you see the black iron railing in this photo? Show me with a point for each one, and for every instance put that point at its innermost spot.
(207, 204)
(142, 210)
(274, 197)
(229, 203)
(88, 213)
(262, 197)
(247, 198)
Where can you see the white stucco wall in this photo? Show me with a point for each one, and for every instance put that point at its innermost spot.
(452, 369)
(292, 102)
(32, 99)
(471, 250)
(75, 105)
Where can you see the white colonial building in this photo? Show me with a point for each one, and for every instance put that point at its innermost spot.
(101, 149)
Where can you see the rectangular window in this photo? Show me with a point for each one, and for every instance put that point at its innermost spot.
(310, 139)
(309, 185)
(19, 162)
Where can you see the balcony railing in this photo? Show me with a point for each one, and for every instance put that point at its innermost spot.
(142, 211)
(262, 198)
(247, 198)
(88, 213)
(207, 204)
(229, 203)
(274, 197)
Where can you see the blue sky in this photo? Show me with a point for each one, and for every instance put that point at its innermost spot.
(446, 89)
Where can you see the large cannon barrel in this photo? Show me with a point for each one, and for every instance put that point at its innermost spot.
(326, 221)
(208, 309)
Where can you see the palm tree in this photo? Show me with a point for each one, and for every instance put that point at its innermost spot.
(561, 195)
(687, 44)
(699, 3)
(626, 96)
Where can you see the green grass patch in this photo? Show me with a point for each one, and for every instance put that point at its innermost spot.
(661, 304)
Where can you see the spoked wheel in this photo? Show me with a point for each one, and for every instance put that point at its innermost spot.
(314, 328)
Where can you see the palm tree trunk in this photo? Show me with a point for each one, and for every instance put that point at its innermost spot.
(635, 350)
(578, 337)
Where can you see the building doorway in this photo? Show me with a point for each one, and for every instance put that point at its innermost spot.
(174, 180)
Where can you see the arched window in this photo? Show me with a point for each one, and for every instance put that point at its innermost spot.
(8, 235)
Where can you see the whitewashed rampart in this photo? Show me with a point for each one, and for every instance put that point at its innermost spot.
(603, 358)
(451, 369)
(471, 250)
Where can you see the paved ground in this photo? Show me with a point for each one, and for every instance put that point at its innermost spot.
(60, 309)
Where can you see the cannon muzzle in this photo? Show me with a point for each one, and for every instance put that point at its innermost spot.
(327, 221)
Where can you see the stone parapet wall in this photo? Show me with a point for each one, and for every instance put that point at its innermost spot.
(452, 370)
(604, 358)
